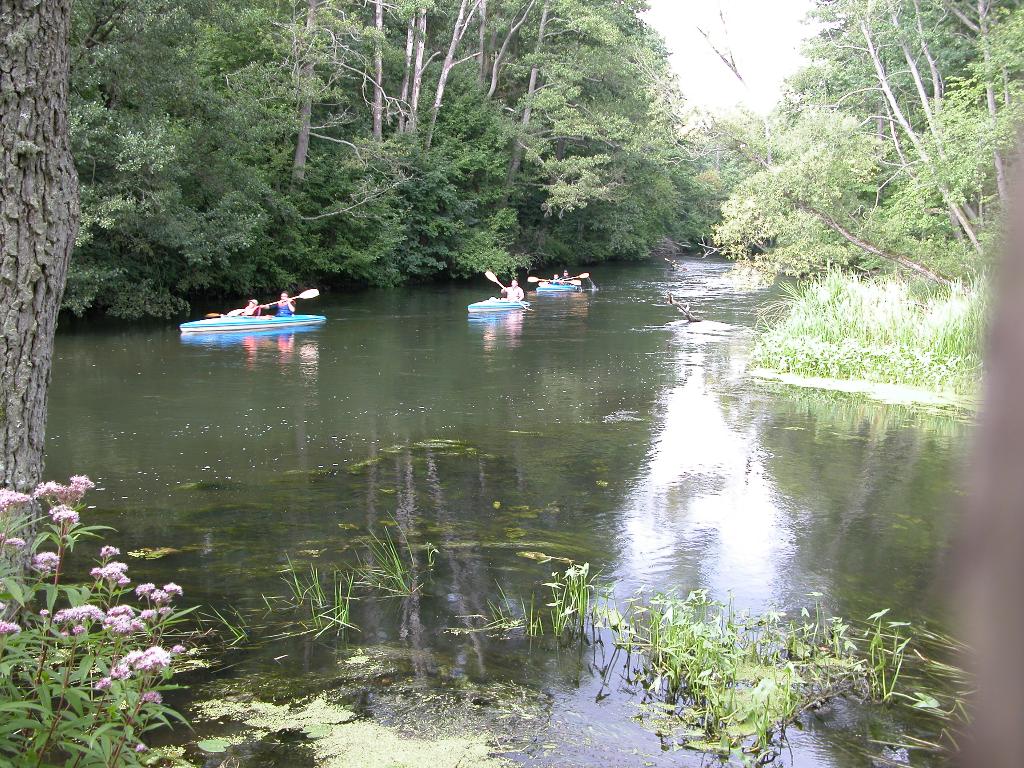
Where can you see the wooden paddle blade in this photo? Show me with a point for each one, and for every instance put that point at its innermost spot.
(533, 279)
(576, 282)
(212, 315)
(312, 293)
(584, 275)
(491, 276)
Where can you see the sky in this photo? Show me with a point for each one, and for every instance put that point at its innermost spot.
(765, 38)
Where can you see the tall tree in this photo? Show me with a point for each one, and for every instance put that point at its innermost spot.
(38, 222)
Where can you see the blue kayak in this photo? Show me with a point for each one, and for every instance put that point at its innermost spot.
(558, 288)
(248, 324)
(497, 305)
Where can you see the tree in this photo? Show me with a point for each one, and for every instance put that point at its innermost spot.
(39, 213)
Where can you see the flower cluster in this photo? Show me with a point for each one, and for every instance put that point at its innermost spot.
(13, 542)
(9, 628)
(78, 614)
(153, 659)
(46, 562)
(71, 493)
(10, 499)
(121, 620)
(108, 552)
(64, 514)
(112, 572)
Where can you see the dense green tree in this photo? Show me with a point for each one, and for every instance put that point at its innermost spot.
(891, 147)
(232, 148)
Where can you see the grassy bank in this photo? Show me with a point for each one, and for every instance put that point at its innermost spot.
(844, 327)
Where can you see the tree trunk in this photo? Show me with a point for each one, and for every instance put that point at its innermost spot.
(305, 97)
(518, 148)
(410, 36)
(990, 100)
(499, 57)
(947, 196)
(38, 223)
(482, 74)
(461, 25)
(417, 73)
(864, 245)
(378, 71)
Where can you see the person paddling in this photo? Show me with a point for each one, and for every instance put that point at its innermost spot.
(513, 292)
(252, 309)
(286, 306)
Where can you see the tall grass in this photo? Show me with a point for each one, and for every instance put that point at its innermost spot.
(886, 330)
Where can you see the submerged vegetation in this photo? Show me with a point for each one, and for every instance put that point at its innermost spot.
(846, 327)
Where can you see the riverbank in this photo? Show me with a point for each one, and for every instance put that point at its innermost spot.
(884, 336)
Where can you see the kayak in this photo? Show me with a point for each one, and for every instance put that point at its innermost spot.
(558, 288)
(243, 324)
(497, 305)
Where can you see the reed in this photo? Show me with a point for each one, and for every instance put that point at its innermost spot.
(389, 566)
(886, 330)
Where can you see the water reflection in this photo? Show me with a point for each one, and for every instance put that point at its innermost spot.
(615, 435)
(499, 329)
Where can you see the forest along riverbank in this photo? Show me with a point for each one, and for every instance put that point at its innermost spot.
(478, 449)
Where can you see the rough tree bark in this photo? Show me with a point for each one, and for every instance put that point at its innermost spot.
(990, 99)
(38, 222)
(378, 71)
(306, 98)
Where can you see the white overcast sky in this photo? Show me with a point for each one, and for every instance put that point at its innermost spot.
(765, 38)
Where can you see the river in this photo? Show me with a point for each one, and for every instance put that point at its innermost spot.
(599, 426)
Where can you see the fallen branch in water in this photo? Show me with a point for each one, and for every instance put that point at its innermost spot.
(685, 309)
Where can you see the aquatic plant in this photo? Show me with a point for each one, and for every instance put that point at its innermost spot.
(83, 665)
(388, 566)
(327, 598)
(844, 327)
(571, 593)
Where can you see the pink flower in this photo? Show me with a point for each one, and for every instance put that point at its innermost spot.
(173, 590)
(108, 552)
(44, 613)
(112, 572)
(147, 614)
(178, 649)
(159, 597)
(103, 684)
(120, 672)
(64, 494)
(10, 499)
(77, 629)
(152, 697)
(143, 590)
(81, 483)
(122, 610)
(140, 747)
(64, 514)
(78, 615)
(122, 625)
(9, 628)
(46, 562)
(13, 542)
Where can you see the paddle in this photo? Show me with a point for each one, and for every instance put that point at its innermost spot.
(310, 293)
(494, 279)
(534, 279)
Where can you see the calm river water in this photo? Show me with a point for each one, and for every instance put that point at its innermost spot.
(597, 427)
